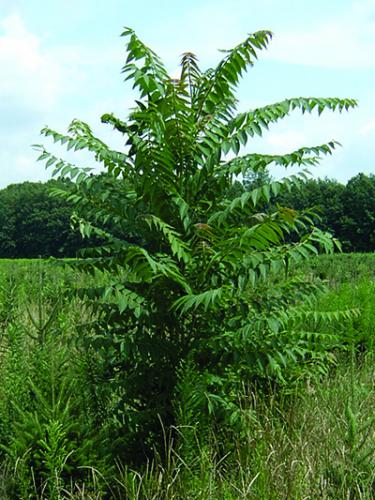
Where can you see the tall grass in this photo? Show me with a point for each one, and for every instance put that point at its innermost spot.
(312, 439)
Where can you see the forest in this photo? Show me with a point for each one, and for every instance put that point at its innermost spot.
(34, 223)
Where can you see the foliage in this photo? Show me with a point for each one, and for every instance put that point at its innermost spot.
(347, 211)
(326, 196)
(47, 428)
(343, 269)
(196, 277)
(33, 224)
(359, 213)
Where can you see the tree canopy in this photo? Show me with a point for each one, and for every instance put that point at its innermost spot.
(347, 211)
(33, 224)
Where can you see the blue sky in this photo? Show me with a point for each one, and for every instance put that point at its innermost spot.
(62, 60)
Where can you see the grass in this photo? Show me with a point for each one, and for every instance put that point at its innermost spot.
(314, 439)
(297, 447)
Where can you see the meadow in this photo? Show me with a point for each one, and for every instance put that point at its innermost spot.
(311, 437)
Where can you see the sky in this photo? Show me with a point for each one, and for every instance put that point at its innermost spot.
(62, 60)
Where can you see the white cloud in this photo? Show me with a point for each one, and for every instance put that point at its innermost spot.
(286, 141)
(27, 168)
(44, 84)
(29, 75)
(368, 128)
(345, 41)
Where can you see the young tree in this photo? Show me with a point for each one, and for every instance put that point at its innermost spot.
(199, 279)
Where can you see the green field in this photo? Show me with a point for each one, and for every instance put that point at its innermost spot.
(312, 437)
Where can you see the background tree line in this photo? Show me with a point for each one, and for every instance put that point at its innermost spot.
(346, 211)
(33, 223)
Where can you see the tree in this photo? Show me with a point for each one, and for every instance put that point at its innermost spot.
(359, 209)
(199, 286)
(326, 196)
(35, 224)
(346, 211)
